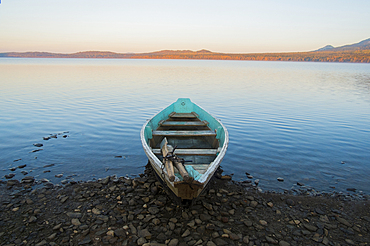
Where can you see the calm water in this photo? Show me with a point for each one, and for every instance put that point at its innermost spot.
(304, 122)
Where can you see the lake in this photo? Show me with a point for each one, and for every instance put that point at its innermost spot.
(303, 122)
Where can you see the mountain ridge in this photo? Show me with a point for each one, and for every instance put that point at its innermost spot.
(362, 45)
(358, 52)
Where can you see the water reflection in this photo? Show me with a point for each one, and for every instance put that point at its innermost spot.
(293, 120)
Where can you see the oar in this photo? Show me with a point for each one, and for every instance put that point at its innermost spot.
(167, 163)
(184, 174)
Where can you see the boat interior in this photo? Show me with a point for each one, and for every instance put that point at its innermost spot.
(194, 140)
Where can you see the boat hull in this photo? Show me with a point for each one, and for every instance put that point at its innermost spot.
(202, 139)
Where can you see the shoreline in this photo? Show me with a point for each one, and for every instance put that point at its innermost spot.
(137, 211)
(297, 189)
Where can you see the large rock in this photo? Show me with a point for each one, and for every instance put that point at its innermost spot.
(74, 215)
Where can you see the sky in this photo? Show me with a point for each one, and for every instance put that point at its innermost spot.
(233, 26)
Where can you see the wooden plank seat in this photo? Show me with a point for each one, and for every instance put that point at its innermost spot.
(184, 133)
(184, 115)
(184, 123)
(190, 151)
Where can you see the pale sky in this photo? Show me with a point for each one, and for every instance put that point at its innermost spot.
(235, 26)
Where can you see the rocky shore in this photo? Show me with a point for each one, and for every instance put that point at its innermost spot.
(138, 211)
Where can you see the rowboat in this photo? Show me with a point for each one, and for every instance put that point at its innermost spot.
(185, 145)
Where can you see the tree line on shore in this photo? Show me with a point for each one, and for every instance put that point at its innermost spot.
(362, 56)
(352, 56)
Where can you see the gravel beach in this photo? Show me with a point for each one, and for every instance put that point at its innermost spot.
(138, 211)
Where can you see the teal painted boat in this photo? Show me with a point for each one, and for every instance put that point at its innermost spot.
(185, 145)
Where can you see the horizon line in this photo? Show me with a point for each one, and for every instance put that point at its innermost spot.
(148, 52)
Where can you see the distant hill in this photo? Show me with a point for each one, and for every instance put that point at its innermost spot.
(363, 45)
(84, 54)
(359, 52)
(327, 47)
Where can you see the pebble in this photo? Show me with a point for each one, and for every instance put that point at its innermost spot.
(43, 242)
(208, 206)
(263, 222)
(74, 215)
(226, 177)
(350, 242)
(153, 210)
(271, 240)
(284, 243)
(234, 237)
(310, 227)
(344, 221)
(144, 233)
(28, 179)
(141, 241)
(173, 242)
(32, 219)
(253, 204)
(12, 182)
(290, 202)
(210, 243)
(220, 242)
(76, 222)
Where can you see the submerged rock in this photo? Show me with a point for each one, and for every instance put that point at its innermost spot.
(36, 150)
(9, 176)
(28, 179)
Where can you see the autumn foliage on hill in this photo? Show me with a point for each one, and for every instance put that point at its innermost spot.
(355, 56)
(360, 56)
